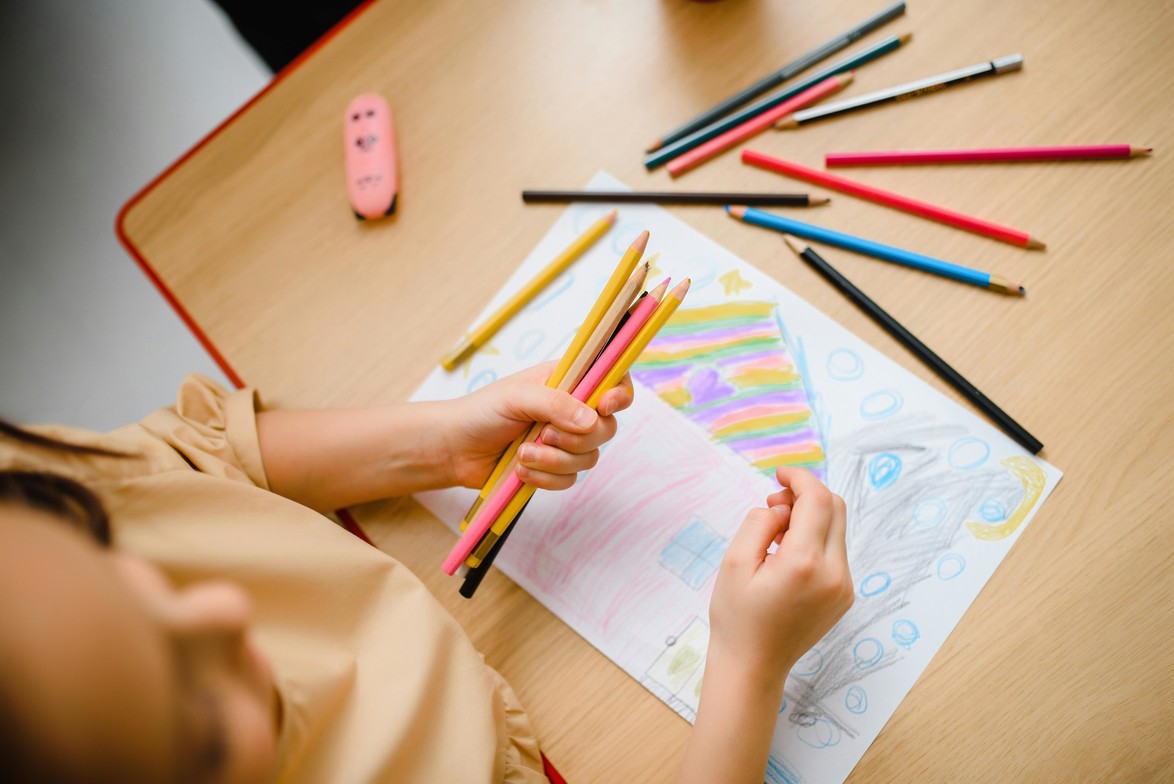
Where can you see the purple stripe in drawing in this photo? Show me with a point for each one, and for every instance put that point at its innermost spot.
(654, 377)
(787, 439)
(705, 416)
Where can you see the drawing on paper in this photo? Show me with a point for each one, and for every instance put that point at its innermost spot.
(694, 554)
(675, 676)
(729, 368)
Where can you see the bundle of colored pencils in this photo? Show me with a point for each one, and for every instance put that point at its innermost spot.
(618, 328)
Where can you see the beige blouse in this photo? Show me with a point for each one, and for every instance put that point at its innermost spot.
(379, 683)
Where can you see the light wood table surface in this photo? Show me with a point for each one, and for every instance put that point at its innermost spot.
(1063, 668)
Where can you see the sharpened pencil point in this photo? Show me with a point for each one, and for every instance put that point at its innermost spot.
(1034, 244)
(906, 38)
(656, 145)
(817, 201)
(641, 242)
(1135, 152)
(736, 212)
(794, 244)
(786, 124)
(611, 216)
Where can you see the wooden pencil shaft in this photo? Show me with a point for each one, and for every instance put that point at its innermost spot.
(718, 127)
(789, 71)
(667, 197)
(910, 89)
(922, 351)
(477, 574)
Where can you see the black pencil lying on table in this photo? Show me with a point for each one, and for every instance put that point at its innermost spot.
(919, 349)
(676, 197)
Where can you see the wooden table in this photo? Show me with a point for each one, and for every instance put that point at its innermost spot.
(1062, 669)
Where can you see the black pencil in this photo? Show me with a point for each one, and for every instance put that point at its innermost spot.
(654, 197)
(788, 71)
(475, 575)
(919, 349)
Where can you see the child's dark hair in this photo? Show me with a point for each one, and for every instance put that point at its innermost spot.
(58, 495)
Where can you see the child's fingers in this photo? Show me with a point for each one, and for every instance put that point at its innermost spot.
(603, 432)
(544, 480)
(553, 460)
(811, 513)
(837, 545)
(748, 547)
(617, 399)
(785, 511)
(782, 497)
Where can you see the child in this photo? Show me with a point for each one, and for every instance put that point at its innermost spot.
(233, 634)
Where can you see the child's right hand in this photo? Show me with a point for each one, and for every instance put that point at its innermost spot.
(768, 610)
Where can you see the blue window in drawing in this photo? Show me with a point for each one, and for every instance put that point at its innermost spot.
(694, 554)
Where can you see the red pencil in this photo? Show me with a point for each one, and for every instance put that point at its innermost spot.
(756, 125)
(1075, 152)
(896, 200)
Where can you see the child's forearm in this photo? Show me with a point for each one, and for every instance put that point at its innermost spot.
(332, 459)
(735, 722)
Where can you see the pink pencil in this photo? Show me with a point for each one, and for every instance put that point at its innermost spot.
(1076, 152)
(756, 125)
(492, 508)
(894, 200)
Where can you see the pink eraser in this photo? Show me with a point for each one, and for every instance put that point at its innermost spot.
(369, 138)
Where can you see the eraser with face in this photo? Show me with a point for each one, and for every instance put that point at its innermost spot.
(371, 171)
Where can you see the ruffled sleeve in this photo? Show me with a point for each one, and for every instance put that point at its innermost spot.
(213, 430)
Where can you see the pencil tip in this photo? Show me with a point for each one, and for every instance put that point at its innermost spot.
(794, 244)
(817, 201)
(682, 288)
(1135, 152)
(656, 145)
(665, 283)
(611, 216)
(786, 124)
(847, 78)
(905, 38)
(641, 242)
(1034, 244)
(736, 212)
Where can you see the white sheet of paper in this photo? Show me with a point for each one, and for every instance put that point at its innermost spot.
(936, 498)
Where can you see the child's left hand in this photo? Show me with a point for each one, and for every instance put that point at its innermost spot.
(485, 422)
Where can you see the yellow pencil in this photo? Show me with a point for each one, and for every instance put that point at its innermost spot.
(591, 332)
(659, 317)
(482, 333)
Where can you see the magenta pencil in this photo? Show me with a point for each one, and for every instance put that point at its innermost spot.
(493, 507)
(1073, 152)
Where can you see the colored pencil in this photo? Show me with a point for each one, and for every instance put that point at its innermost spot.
(588, 340)
(902, 92)
(918, 349)
(644, 336)
(907, 258)
(1071, 152)
(678, 197)
(603, 332)
(718, 127)
(890, 199)
(788, 71)
(492, 510)
(486, 330)
(473, 577)
(756, 125)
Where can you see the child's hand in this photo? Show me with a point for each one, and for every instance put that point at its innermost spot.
(769, 609)
(484, 423)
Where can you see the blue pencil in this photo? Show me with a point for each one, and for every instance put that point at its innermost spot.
(718, 127)
(769, 220)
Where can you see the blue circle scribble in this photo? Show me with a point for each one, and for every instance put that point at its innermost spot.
(968, 453)
(810, 664)
(481, 379)
(820, 734)
(905, 633)
(992, 511)
(702, 270)
(883, 470)
(881, 404)
(856, 700)
(875, 583)
(845, 365)
(929, 513)
(950, 566)
(528, 342)
(783, 707)
(867, 653)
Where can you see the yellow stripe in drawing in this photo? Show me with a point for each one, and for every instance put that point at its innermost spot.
(813, 455)
(762, 378)
(677, 397)
(718, 312)
(1033, 478)
(761, 423)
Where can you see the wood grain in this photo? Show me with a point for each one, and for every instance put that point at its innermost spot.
(1062, 669)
